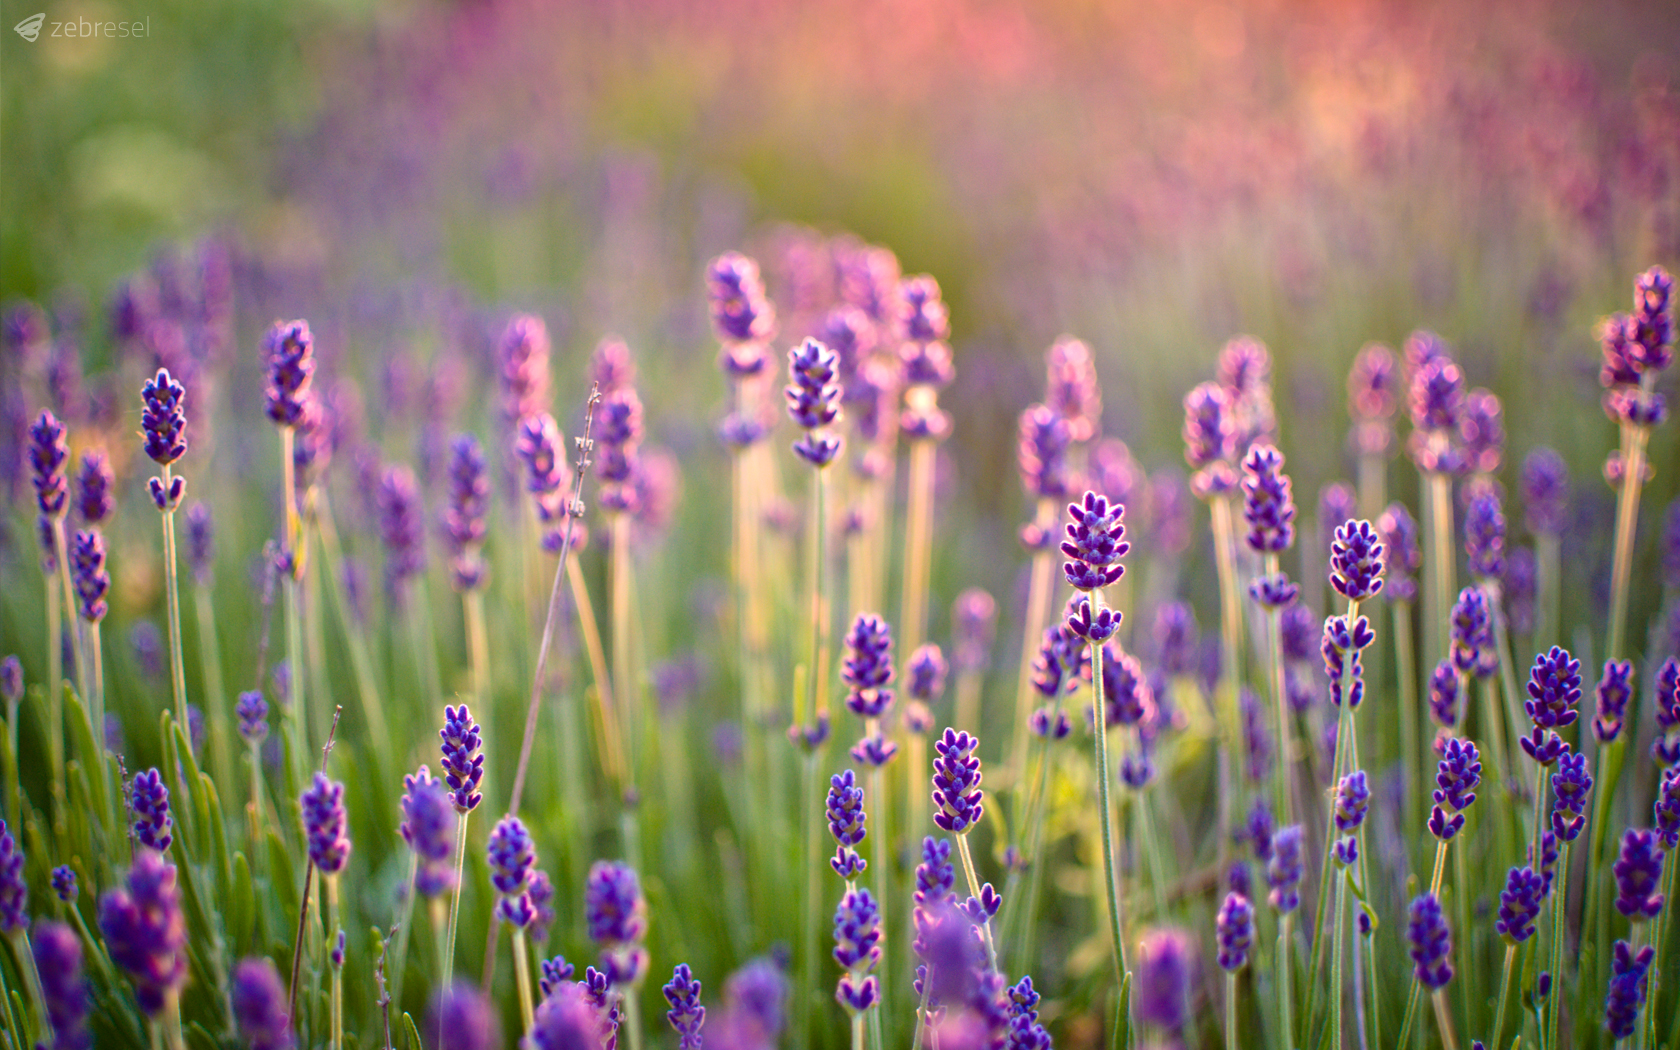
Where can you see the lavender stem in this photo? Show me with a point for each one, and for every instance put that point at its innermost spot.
(610, 742)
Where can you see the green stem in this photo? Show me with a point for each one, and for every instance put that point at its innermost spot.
(1344, 758)
(813, 864)
(1038, 597)
(55, 658)
(1560, 910)
(1335, 990)
(1274, 644)
(1505, 996)
(32, 978)
(1231, 1040)
(1411, 1014)
(633, 1018)
(1549, 585)
(455, 902)
(974, 891)
(330, 884)
(1469, 964)
(883, 871)
(1285, 956)
(857, 1031)
(918, 541)
(1230, 636)
(522, 975)
(1439, 561)
(1627, 517)
(55, 682)
(623, 645)
(1443, 1019)
(216, 702)
(1664, 921)
(1110, 878)
(1412, 762)
(611, 742)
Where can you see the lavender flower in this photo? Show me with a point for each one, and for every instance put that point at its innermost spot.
(741, 313)
(463, 519)
(1166, 965)
(1268, 504)
(554, 971)
(145, 932)
(461, 1018)
(1653, 315)
(1094, 543)
(49, 452)
(1234, 928)
(539, 895)
(14, 887)
(1521, 580)
(927, 673)
(924, 324)
(1430, 942)
(1519, 904)
(1570, 785)
(1626, 993)
(1484, 536)
(1207, 426)
(1443, 695)
(1457, 776)
(686, 1014)
(616, 916)
(1256, 738)
(463, 762)
(973, 621)
(64, 883)
(201, 536)
(1285, 868)
(1356, 561)
(511, 854)
(619, 432)
(1041, 452)
(1615, 689)
(289, 351)
(1352, 797)
(149, 799)
(428, 826)
(1545, 492)
(1400, 541)
(259, 1005)
(1373, 395)
(956, 782)
(1554, 688)
(64, 991)
(868, 667)
(324, 824)
(87, 572)
(252, 712)
(813, 400)
(1337, 643)
(1098, 628)
(857, 948)
(1472, 634)
(1665, 812)
(93, 487)
(846, 820)
(1638, 871)
(1071, 387)
(400, 528)
(936, 876)
(1481, 428)
(522, 358)
(11, 679)
(1436, 396)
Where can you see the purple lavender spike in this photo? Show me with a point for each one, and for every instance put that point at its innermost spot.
(522, 358)
(1071, 387)
(1430, 942)
(324, 824)
(149, 799)
(686, 1014)
(956, 782)
(1166, 965)
(145, 932)
(88, 574)
(1268, 503)
(259, 1005)
(1545, 492)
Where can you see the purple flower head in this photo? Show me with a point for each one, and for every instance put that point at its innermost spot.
(1614, 691)
(463, 519)
(93, 487)
(400, 528)
(1071, 387)
(956, 782)
(1626, 994)
(1337, 642)
(1098, 628)
(935, 875)
(1126, 690)
(1484, 536)
(1458, 775)
(857, 932)
(522, 364)
(1554, 688)
(1436, 396)
(149, 799)
(64, 990)
(511, 854)
(49, 454)
(1041, 453)
(1094, 543)
(1519, 905)
(1166, 968)
(1257, 742)
(14, 887)
(252, 712)
(1653, 317)
(1570, 785)
(1374, 383)
(289, 354)
(924, 323)
(1285, 868)
(868, 666)
(615, 910)
(554, 972)
(568, 1020)
(539, 895)
(1443, 695)
(846, 819)
(145, 932)
(686, 1014)
(611, 366)
(1665, 812)
(951, 954)
(1668, 696)
(741, 313)
(1403, 557)
(259, 1005)
(461, 1018)
(1268, 503)
(1234, 930)
(1050, 723)
(87, 572)
(1353, 796)
(428, 826)
(618, 434)
(1298, 633)
(1430, 942)
(1208, 425)
(1481, 428)
(201, 539)
(463, 762)
(64, 883)
(1356, 561)
(973, 623)
(1638, 873)
(1175, 633)
(1545, 492)
(1259, 831)
(324, 824)
(11, 679)
(1061, 663)
(1472, 634)
(927, 673)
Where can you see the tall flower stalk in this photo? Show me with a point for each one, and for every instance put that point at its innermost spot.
(1435, 399)
(289, 352)
(49, 457)
(1269, 511)
(164, 424)
(1041, 454)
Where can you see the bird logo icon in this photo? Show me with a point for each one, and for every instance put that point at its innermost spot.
(30, 27)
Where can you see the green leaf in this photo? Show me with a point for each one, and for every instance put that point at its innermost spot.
(284, 884)
(241, 905)
(218, 834)
(413, 1032)
(81, 729)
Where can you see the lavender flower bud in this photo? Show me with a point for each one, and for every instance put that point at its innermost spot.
(401, 528)
(1094, 543)
(1521, 579)
(1430, 942)
(64, 991)
(49, 453)
(259, 1005)
(554, 972)
(846, 819)
(87, 572)
(1436, 398)
(511, 855)
(686, 1014)
(1614, 691)
(1570, 785)
(463, 763)
(813, 400)
(924, 324)
(93, 487)
(522, 358)
(1472, 634)
(1403, 557)
(1519, 905)
(1653, 315)
(1545, 492)
(461, 1018)
(1098, 628)
(145, 932)
(1166, 965)
(868, 667)
(1268, 503)
(741, 313)
(1071, 387)
(857, 932)
(1638, 872)
(1484, 536)
(149, 799)
(14, 888)
(1234, 928)
(64, 883)
(973, 622)
(956, 782)
(463, 520)
(1285, 869)
(324, 824)
(1373, 384)
(1481, 428)
(428, 826)
(201, 536)
(1626, 993)
(927, 673)
(1356, 561)
(289, 351)
(1207, 425)
(1443, 695)
(1352, 798)
(252, 712)
(1041, 452)
(1554, 688)
(615, 911)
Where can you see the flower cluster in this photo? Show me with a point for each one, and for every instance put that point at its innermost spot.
(1457, 777)
(813, 399)
(956, 782)
(1339, 643)
(1403, 556)
(616, 916)
(289, 353)
(1235, 932)
(49, 453)
(324, 824)
(1356, 561)
(522, 358)
(1473, 650)
(857, 948)
(149, 799)
(259, 1005)
(463, 761)
(463, 518)
(89, 575)
(145, 933)
(686, 1014)
(1430, 942)
(846, 820)
(1626, 993)
(1094, 543)
(428, 826)
(1554, 688)
(511, 858)
(1268, 504)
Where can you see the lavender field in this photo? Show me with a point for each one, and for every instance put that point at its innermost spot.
(958, 525)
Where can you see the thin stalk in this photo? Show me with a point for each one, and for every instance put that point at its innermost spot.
(330, 884)
(1038, 597)
(1505, 995)
(1595, 913)
(921, 1018)
(1231, 1040)
(55, 658)
(974, 891)
(308, 874)
(360, 660)
(1466, 945)
(55, 692)
(1230, 633)
(1627, 517)
(478, 645)
(1274, 645)
(1335, 990)
(1411, 744)
(256, 815)
(623, 643)
(611, 743)
(1443, 1019)
(633, 1018)
(1659, 940)
(294, 608)
(1439, 555)
(14, 797)
(857, 1031)
(400, 929)
(813, 863)
(918, 544)
(455, 902)
(1560, 909)
(1411, 1014)
(1440, 867)
(210, 655)
(32, 978)
(1110, 878)
(883, 863)
(1285, 956)
(522, 973)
